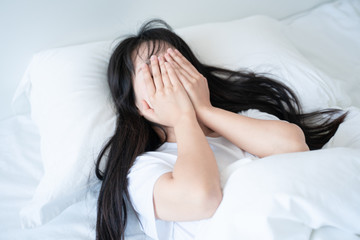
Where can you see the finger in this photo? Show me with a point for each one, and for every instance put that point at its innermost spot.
(164, 74)
(183, 79)
(183, 62)
(156, 73)
(172, 75)
(149, 83)
(183, 75)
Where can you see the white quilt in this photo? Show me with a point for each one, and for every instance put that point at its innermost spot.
(309, 195)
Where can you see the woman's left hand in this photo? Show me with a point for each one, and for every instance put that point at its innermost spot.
(194, 83)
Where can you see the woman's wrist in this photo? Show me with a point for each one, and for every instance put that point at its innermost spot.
(203, 112)
(185, 120)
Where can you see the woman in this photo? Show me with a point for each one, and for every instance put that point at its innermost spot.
(180, 124)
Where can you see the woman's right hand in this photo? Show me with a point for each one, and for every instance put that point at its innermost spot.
(168, 100)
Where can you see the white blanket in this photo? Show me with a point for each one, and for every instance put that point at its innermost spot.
(309, 195)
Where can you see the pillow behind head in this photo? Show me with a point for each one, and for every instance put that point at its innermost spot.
(71, 105)
(259, 43)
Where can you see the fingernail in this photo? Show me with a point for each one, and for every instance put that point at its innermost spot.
(176, 51)
(153, 57)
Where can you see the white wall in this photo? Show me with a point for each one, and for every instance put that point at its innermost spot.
(29, 26)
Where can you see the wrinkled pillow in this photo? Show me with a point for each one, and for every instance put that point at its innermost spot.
(261, 43)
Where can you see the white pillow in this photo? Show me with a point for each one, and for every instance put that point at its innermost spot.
(332, 26)
(260, 43)
(71, 105)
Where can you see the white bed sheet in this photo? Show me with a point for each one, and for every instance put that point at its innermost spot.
(20, 165)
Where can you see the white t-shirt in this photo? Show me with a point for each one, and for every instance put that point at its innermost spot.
(149, 166)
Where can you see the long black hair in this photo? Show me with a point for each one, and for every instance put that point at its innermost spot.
(234, 91)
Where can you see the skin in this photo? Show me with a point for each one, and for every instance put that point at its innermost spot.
(142, 95)
(173, 93)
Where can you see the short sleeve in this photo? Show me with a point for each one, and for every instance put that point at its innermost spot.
(141, 179)
(254, 113)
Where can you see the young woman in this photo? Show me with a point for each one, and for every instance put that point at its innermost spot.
(180, 124)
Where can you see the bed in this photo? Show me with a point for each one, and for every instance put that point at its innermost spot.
(47, 187)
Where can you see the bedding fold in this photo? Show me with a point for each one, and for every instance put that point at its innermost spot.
(289, 196)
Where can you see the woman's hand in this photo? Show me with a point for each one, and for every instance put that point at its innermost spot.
(195, 173)
(168, 99)
(194, 83)
(273, 136)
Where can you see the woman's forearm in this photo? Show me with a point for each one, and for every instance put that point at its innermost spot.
(192, 191)
(259, 137)
(196, 164)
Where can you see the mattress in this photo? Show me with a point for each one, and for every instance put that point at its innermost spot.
(328, 36)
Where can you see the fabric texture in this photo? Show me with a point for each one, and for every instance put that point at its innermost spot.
(272, 198)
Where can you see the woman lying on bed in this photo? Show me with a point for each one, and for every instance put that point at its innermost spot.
(180, 124)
